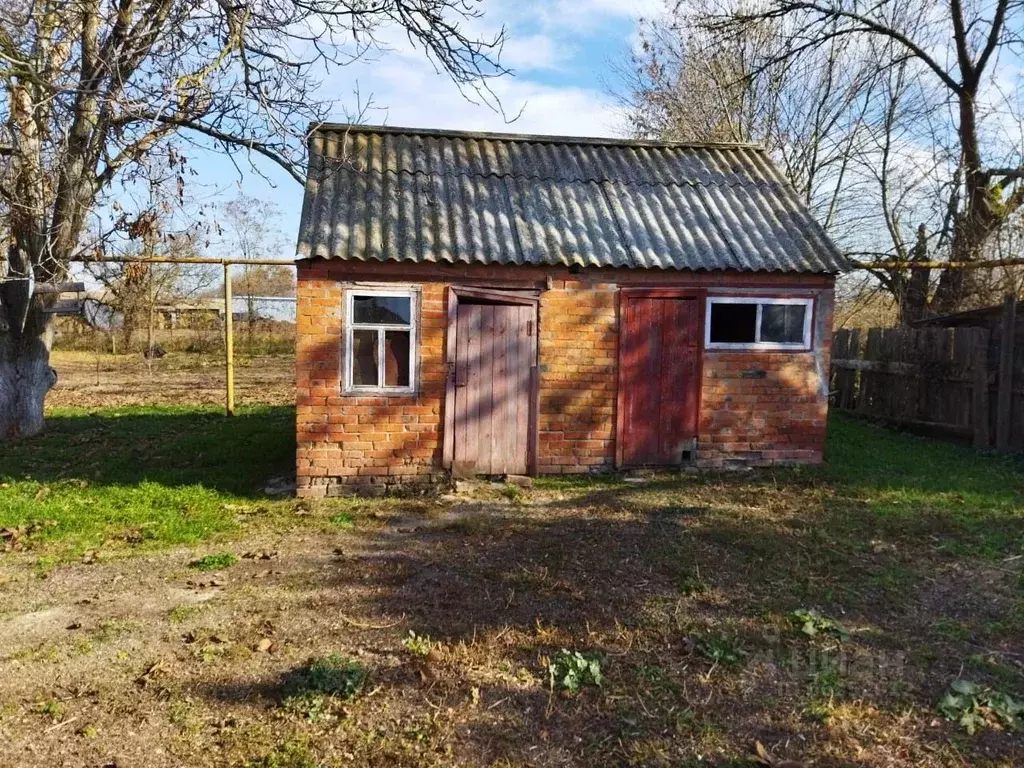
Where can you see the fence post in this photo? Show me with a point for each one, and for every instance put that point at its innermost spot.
(979, 388)
(836, 374)
(852, 352)
(229, 342)
(872, 353)
(1005, 394)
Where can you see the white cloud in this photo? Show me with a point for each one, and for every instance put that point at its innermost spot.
(628, 8)
(568, 18)
(407, 91)
(411, 95)
(581, 16)
(535, 52)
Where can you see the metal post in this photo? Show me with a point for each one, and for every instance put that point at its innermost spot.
(229, 342)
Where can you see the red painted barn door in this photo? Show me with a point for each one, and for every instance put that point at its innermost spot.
(659, 382)
(495, 350)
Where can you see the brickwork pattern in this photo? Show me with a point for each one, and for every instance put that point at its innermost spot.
(756, 408)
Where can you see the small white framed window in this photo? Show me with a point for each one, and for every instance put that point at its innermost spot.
(748, 322)
(380, 340)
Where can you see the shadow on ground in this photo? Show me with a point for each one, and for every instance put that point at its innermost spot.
(662, 581)
(170, 446)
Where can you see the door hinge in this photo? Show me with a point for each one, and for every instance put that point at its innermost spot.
(529, 327)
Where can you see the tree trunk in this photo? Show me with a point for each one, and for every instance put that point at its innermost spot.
(913, 297)
(25, 378)
(956, 288)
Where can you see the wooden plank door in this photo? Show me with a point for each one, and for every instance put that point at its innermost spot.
(496, 347)
(659, 381)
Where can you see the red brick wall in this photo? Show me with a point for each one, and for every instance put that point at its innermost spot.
(577, 352)
(366, 440)
(760, 408)
(756, 408)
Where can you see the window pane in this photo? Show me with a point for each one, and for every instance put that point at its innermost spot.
(396, 358)
(733, 323)
(394, 310)
(783, 323)
(364, 358)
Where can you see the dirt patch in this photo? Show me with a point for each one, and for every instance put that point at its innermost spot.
(681, 591)
(88, 380)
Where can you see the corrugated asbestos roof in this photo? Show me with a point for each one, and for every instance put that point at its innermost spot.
(392, 194)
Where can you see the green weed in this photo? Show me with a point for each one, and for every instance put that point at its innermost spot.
(343, 520)
(293, 754)
(310, 690)
(814, 623)
(512, 492)
(691, 583)
(974, 706)
(215, 562)
(571, 670)
(722, 649)
(52, 709)
(180, 613)
(418, 645)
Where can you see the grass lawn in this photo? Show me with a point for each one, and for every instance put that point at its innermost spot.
(671, 620)
(144, 475)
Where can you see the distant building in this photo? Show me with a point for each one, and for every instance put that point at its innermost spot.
(98, 311)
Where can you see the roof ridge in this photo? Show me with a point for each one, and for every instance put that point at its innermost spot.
(530, 138)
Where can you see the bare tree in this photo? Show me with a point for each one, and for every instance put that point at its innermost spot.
(134, 292)
(250, 229)
(959, 64)
(95, 92)
(686, 84)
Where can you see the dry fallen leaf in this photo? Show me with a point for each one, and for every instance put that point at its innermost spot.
(761, 754)
(152, 672)
(260, 555)
(763, 757)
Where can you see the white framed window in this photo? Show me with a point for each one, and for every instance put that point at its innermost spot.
(749, 322)
(381, 327)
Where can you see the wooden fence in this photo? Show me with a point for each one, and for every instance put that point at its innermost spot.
(966, 382)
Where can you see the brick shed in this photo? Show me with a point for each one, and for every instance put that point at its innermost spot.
(502, 304)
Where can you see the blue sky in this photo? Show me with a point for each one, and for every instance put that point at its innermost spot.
(563, 53)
